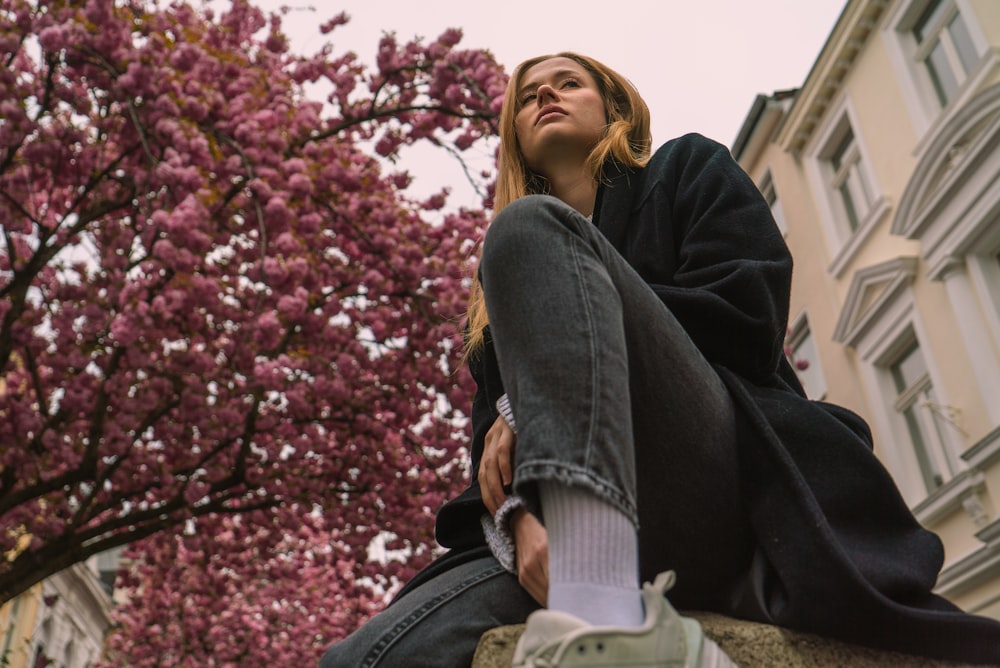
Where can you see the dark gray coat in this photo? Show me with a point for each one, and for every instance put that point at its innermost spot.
(839, 553)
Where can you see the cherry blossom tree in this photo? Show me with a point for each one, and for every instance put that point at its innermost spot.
(249, 593)
(228, 335)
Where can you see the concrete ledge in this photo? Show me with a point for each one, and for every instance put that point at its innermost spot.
(750, 645)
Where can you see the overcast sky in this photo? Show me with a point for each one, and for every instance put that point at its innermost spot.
(698, 63)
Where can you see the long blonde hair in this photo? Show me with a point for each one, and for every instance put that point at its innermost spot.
(627, 139)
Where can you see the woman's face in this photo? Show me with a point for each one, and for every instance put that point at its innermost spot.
(561, 116)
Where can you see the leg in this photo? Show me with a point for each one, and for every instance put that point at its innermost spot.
(437, 623)
(605, 383)
(691, 516)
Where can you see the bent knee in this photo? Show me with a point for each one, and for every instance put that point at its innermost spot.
(340, 655)
(531, 222)
(530, 211)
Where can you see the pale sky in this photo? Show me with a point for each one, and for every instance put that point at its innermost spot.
(698, 63)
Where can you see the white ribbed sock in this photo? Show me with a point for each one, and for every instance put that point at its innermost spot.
(593, 557)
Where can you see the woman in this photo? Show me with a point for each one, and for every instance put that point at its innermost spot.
(635, 415)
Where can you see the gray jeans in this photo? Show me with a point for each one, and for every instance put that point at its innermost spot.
(438, 624)
(609, 393)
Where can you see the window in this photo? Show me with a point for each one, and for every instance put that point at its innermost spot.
(950, 207)
(848, 181)
(69, 653)
(771, 197)
(801, 351)
(918, 432)
(993, 290)
(107, 568)
(849, 201)
(944, 48)
(924, 417)
(989, 279)
(941, 55)
(45, 635)
(12, 620)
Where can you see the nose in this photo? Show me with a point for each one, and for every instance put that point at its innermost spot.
(545, 93)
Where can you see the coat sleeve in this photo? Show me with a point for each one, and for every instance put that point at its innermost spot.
(458, 522)
(731, 276)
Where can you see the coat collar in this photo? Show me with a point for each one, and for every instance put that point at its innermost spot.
(614, 201)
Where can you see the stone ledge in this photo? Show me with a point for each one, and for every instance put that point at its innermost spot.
(749, 644)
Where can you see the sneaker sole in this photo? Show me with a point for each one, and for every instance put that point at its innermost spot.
(712, 656)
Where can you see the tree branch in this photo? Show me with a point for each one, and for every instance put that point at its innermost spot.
(385, 113)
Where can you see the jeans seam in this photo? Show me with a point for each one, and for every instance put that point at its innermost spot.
(556, 470)
(591, 340)
(377, 652)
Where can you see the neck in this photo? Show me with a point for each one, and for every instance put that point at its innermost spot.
(575, 187)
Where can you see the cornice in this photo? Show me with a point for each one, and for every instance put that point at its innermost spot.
(981, 565)
(849, 36)
(949, 497)
(760, 125)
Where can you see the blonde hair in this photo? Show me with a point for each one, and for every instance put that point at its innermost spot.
(627, 139)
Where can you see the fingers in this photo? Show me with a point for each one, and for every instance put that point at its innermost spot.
(532, 549)
(505, 453)
(496, 464)
(533, 576)
(490, 487)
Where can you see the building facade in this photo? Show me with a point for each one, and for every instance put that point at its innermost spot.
(62, 621)
(883, 170)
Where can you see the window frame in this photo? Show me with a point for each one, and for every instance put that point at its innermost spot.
(907, 57)
(936, 456)
(940, 33)
(848, 178)
(984, 272)
(951, 206)
(883, 340)
(770, 193)
(843, 239)
(798, 334)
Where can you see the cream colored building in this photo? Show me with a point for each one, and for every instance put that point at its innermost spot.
(884, 171)
(62, 620)
(17, 627)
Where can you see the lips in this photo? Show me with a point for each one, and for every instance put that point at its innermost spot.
(549, 109)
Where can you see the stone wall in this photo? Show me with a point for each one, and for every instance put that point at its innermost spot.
(750, 645)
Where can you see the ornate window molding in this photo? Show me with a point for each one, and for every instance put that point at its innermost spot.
(873, 290)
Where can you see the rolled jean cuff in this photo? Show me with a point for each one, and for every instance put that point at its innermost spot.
(530, 473)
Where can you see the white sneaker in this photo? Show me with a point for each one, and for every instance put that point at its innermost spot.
(555, 639)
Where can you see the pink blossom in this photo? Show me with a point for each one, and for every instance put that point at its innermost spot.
(338, 20)
(277, 211)
(53, 38)
(196, 491)
(293, 306)
(207, 370)
(300, 184)
(268, 330)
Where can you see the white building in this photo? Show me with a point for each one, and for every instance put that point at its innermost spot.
(61, 622)
(885, 170)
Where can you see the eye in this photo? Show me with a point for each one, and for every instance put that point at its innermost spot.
(528, 98)
(570, 83)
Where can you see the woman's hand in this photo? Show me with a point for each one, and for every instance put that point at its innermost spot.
(531, 545)
(496, 468)
(531, 541)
